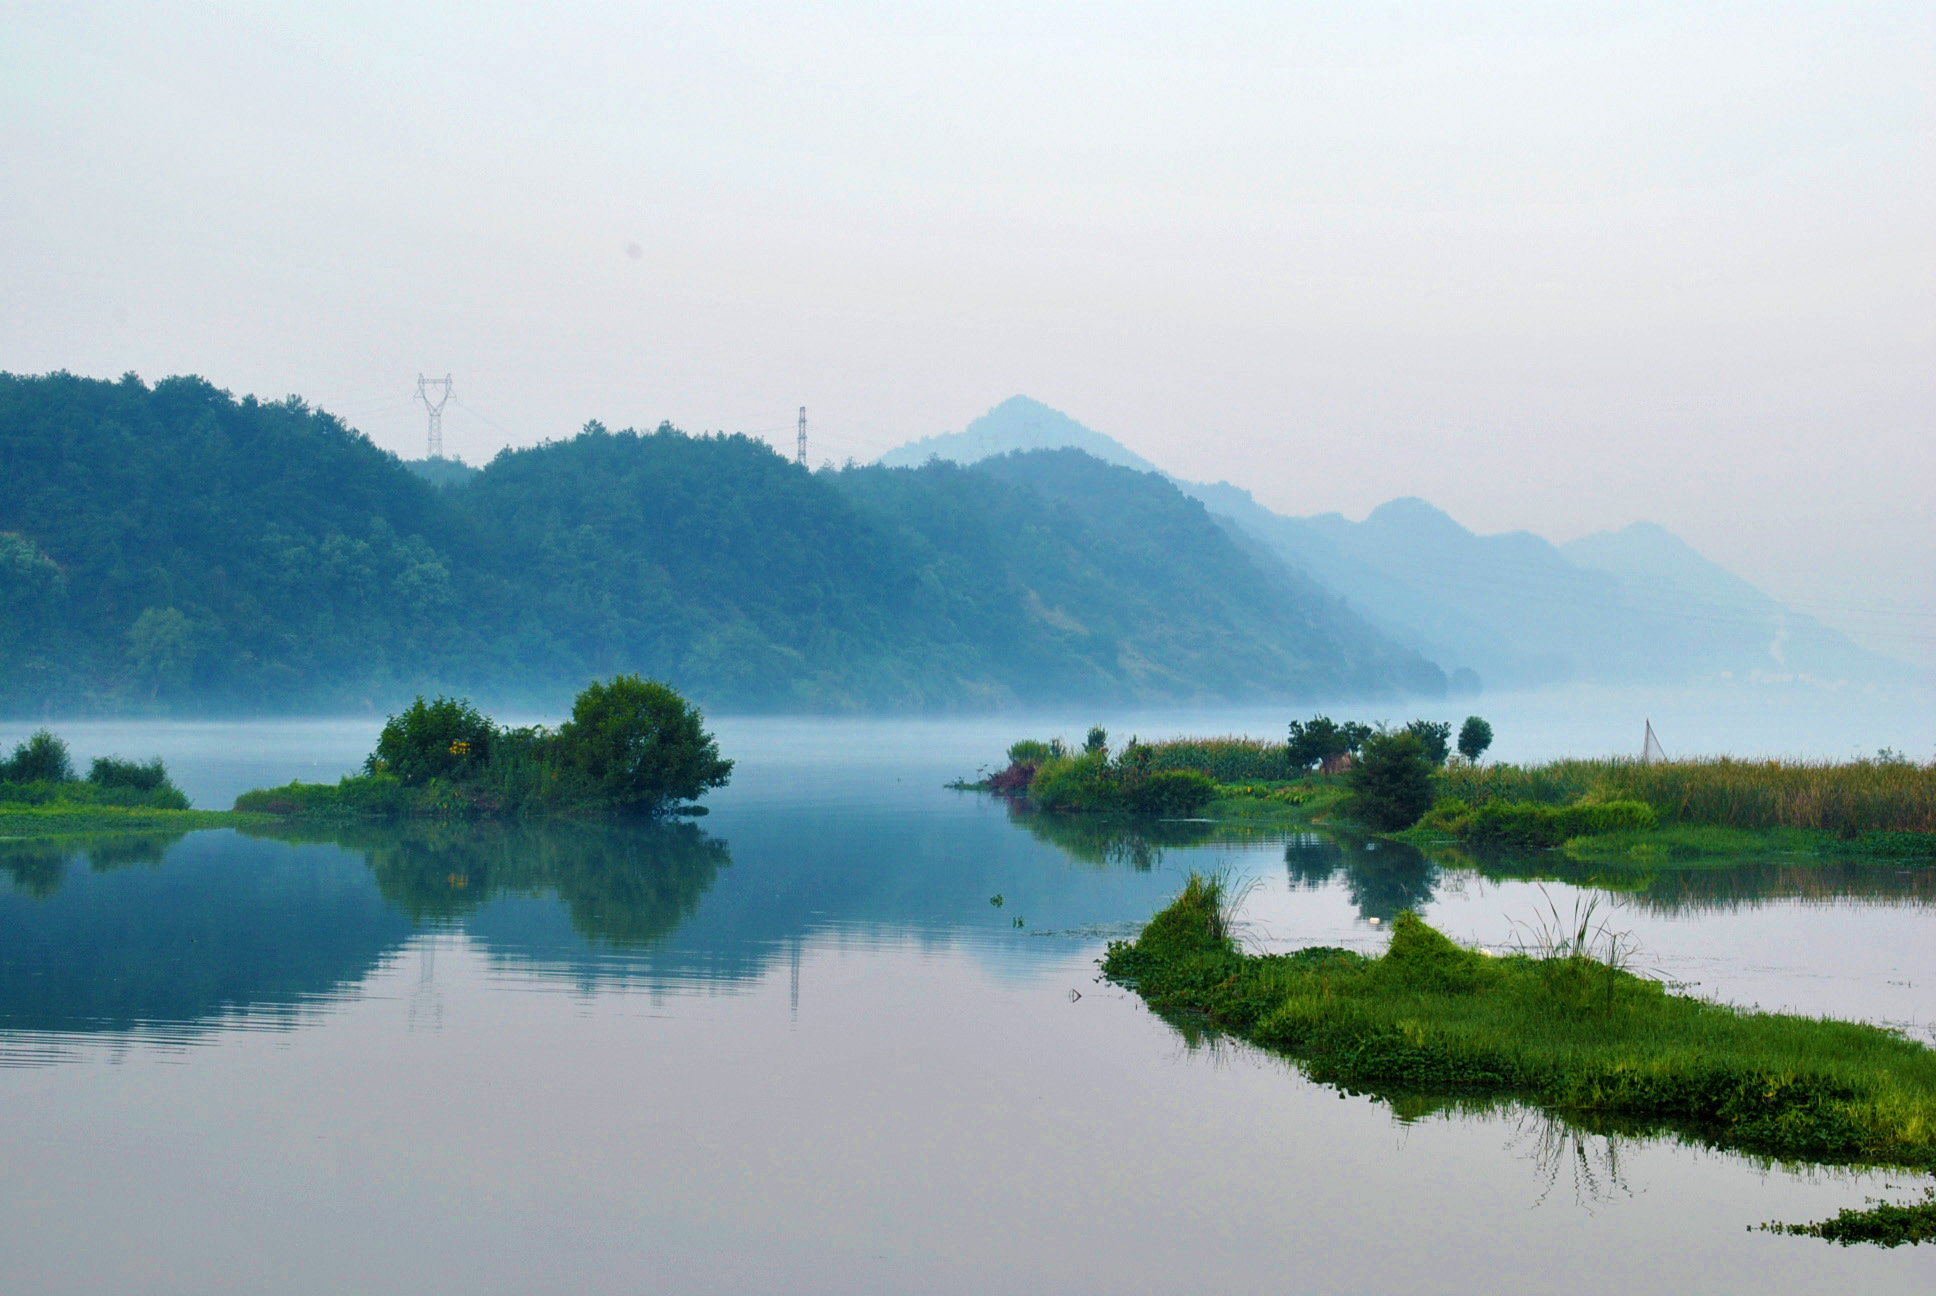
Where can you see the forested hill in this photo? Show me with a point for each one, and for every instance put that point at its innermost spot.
(174, 549)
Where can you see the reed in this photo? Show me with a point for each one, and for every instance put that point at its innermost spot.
(1844, 798)
(1227, 760)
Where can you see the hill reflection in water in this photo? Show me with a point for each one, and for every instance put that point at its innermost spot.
(166, 937)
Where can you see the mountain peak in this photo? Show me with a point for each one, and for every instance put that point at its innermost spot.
(1018, 423)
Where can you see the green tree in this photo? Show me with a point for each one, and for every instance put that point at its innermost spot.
(1391, 784)
(1475, 735)
(446, 739)
(1321, 739)
(641, 745)
(42, 758)
(161, 647)
(1096, 741)
(1436, 735)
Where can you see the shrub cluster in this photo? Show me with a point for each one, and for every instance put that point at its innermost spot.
(1128, 784)
(40, 772)
(1530, 824)
(632, 745)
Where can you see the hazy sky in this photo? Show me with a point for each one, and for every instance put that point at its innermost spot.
(1550, 266)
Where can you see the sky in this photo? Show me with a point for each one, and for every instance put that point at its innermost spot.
(1558, 267)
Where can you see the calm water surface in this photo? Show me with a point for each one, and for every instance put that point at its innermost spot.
(795, 1047)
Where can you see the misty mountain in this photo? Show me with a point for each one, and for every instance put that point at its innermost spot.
(1632, 606)
(172, 548)
(1018, 423)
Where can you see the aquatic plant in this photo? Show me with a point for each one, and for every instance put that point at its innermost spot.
(1567, 1031)
(1883, 1223)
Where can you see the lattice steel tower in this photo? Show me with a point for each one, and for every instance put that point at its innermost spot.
(436, 408)
(800, 451)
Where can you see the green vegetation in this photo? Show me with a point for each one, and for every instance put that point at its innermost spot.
(1391, 781)
(632, 746)
(1323, 742)
(40, 795)
(1846, 798)
(170, 548)
(1475, 736)
(1564, 1027)
(1883, 809)
(1129, 784)
(1883, 1223)
(1529, 824)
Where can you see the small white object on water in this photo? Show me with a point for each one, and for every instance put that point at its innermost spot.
(1374, 922)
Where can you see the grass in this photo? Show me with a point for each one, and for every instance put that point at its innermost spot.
(1305, 800)
(1570, 1032)
(1227, 760)
(61, 818)
(1847, 798)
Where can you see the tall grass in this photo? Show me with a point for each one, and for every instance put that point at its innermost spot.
(1227, 760)
(1849, 797)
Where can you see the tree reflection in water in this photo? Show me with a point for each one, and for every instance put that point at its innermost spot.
(1384, 878)
(623, 883)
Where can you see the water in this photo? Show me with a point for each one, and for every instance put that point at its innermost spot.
(794, 1047)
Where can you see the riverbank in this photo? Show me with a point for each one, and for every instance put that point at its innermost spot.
(1565, 1028)
(66, 818)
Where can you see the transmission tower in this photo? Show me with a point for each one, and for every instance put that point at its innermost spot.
(436, 408)
(800, 452)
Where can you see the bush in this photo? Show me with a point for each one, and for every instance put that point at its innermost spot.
(41, 758)
(1527, 824)
(1097, 741)
(442, 739)
(1172, 793)
(1029, 751)
(1475, 735)
(113, 772)
(641, 746)
(1090, 782)
(1016, 778)
(1391, 784)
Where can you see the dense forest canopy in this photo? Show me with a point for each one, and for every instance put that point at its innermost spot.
(172, 548)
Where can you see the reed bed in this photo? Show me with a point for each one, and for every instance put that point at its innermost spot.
(1227, 760)
(1843, 798)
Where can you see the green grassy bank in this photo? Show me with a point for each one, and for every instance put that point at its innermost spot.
(62, 818)
(1568, 1032)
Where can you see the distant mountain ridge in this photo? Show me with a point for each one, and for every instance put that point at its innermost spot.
(173, 549)
(1637, 605)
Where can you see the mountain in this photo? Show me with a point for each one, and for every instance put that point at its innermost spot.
(174, 549)
(1018, 423)
(1633, 606)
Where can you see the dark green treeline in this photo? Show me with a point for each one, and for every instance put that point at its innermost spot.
(171, 548)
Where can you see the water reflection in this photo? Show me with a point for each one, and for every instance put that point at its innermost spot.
(622, 885)
(1384, 878)
(37, 866)
(209, 928)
